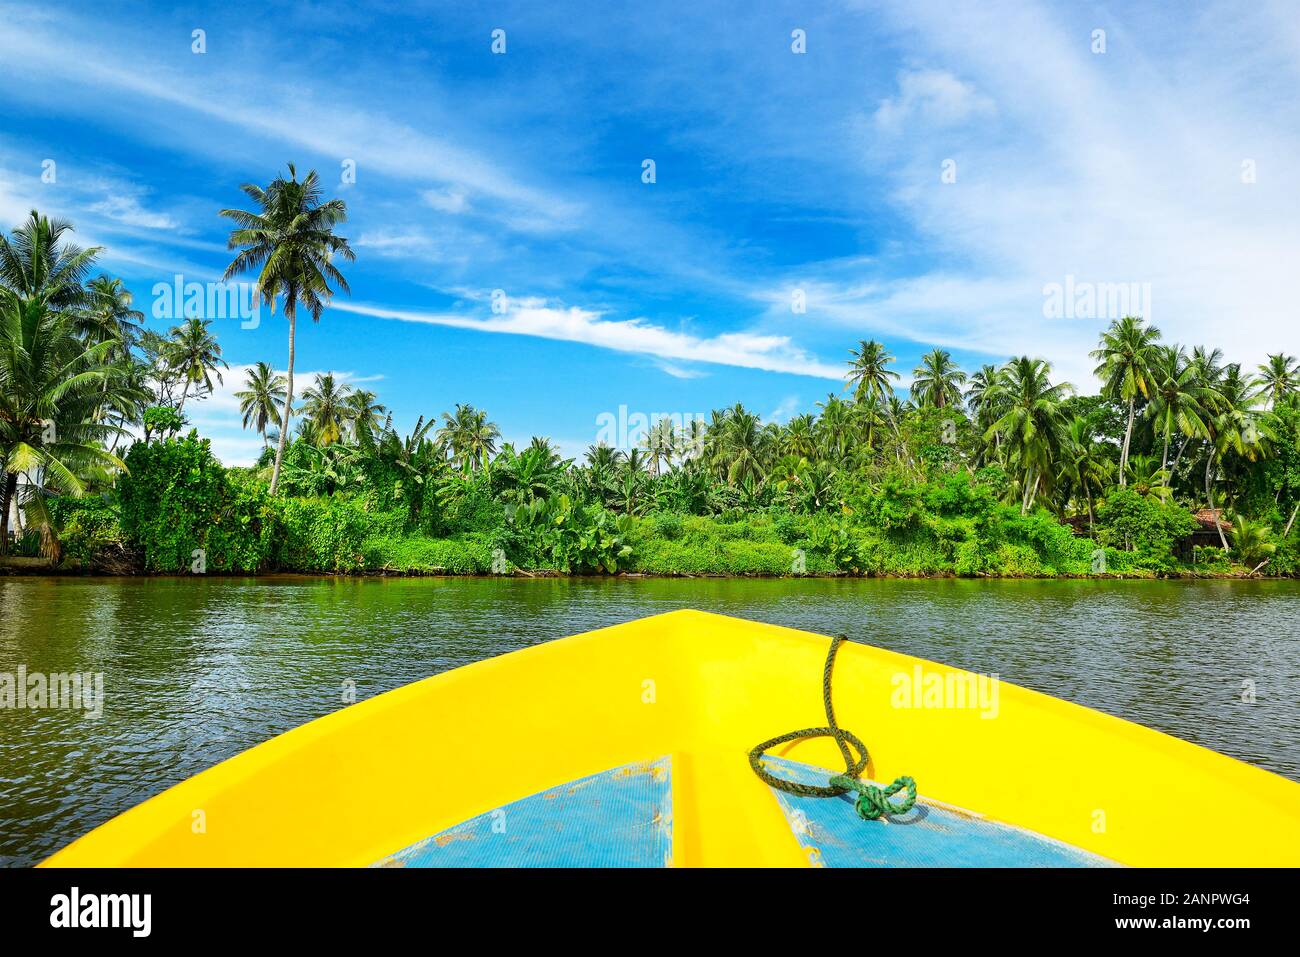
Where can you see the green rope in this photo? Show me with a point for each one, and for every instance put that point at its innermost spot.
(872, 802)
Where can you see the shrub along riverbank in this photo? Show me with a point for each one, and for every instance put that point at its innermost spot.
(178, 510)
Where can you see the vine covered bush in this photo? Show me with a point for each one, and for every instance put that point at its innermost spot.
(182, 510)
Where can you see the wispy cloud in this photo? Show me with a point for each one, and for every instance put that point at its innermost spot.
(532, 317)
(127, 209)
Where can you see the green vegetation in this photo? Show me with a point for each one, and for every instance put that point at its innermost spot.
(1182, 464)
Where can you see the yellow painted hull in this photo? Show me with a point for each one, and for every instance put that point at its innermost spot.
(355, 786)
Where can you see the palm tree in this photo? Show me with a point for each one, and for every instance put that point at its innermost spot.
(1179, 400)
(869, 373)
(1252, 541)
(469, 435)
(325, 408)
(290, 242)
(1280, 377)
(194, 354)
(937, 381)
(1240, 430)
(52, 385)
(658, 442)
(743, 445)
(986, 398)
(263, 401)
(108, 315)
(1031, 427)
(1083, 463)
(1149, 480)
(835, 426)
(799, 437)
(869, 377)
(1126, 354)
(37, 265)
(364, 413)
(691, 441)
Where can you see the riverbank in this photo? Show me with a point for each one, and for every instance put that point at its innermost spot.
(37, 566)
(180, 511)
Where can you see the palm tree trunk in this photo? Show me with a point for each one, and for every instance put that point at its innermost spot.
(184, 392)
(6, 496)
(1128, 437)
(1290, 521)
(1092, 530)
(1027, 496)
(288, 405)
(1164, 458)
(1209, 497)
(1178, 456)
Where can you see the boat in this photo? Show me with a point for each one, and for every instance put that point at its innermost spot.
(630, 746)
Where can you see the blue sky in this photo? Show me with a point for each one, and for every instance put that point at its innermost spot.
(1168, 161)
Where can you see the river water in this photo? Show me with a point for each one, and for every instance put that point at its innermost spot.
(196, 670)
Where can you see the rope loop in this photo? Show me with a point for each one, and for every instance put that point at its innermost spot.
(872, 802)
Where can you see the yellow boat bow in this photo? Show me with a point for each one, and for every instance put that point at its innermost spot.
(629, 746)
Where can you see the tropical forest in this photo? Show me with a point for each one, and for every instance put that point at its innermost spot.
(1184, 463)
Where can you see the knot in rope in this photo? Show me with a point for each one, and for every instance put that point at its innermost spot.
(873, 802)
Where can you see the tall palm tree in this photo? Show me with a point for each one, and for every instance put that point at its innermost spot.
(986, 398)
(1084, 467)
(1032, 425)
(290, 243)
(195, 355)
(469, 435)
(1125, 357)
(691, 441)
(325, 407)
(262, 402)
(1179, 399)
(937, 381)
(658, 442)
(1240, 430)
(1280, 377)
(835, 426)
(869, 373)
(870, 379)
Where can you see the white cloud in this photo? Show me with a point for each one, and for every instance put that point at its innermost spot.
(127, 209)
(1101, 167)
(933, 98)
(530, 317)
(449, 200)
(679, 372)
